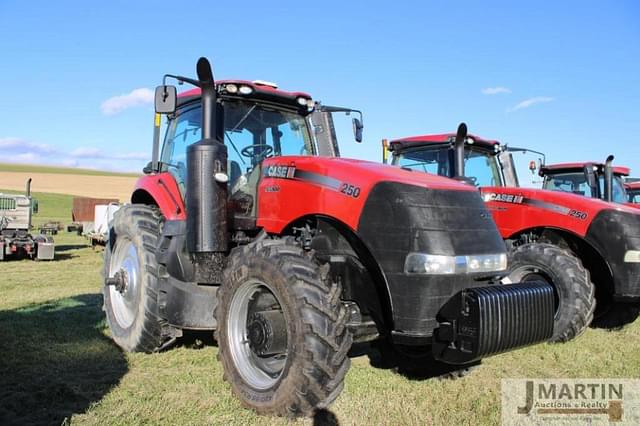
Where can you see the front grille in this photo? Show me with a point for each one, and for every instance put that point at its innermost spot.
(483, 321)
(7, 203)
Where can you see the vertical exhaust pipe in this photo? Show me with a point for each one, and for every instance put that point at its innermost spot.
(28, 188)
(608, 179)
(206, 200)
(461, 137)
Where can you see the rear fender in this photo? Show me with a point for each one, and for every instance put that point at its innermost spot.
(160, 190)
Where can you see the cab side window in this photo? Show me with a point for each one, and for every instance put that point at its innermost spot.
(183, 130)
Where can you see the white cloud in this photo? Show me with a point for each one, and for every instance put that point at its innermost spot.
(532, 101)
(19, 150)
(19, 145)
(495, 90)
(86, 152)
(136, 97)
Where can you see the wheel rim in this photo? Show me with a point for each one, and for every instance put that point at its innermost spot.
(252, 298)
(124, 301)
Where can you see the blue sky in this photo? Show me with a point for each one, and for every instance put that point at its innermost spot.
(567, 74)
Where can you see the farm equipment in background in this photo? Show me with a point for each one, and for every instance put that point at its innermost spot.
(51, 228)
(83, 213)
(582, 245)
(588, 179)
(15, 225)
(98, 233)
(239, 226)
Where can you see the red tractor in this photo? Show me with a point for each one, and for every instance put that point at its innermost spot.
(633, 192)
(240, 227)
(585, 247)
(588, 179)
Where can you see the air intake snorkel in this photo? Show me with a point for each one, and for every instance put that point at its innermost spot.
(608, 179)
(458, 144)
(206, 188)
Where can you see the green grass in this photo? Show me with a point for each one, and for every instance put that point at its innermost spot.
(58, 363)
(33, 168)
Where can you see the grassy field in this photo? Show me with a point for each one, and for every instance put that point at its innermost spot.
(59, 365)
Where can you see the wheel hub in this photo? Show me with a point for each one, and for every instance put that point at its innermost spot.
(267, 333)
(120, 281)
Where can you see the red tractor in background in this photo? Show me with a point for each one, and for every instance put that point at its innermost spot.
(586, 247)
(241, 228)
(632, 187)
(588, 179)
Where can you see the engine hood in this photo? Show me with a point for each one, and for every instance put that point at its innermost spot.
(367, 173)
(515, 209)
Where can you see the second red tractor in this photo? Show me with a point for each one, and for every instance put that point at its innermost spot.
(588, 248)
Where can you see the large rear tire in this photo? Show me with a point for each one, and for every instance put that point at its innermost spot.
(575, 293)
(131, 281)
(282, 334)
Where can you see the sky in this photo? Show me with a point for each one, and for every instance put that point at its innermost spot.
(558, 77)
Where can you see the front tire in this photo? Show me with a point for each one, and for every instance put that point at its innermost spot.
(575, 294)
(282, 334)
(131, 282)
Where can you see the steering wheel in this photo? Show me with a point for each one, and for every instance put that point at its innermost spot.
(250, 151)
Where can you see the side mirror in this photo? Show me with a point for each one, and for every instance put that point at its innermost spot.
(166, 99)
(357, 129)
(34, 206)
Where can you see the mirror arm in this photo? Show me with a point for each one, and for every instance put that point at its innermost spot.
(180, 80)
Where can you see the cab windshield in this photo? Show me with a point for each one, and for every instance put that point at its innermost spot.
(634, 196)
(576, 183)
(481, 166)
(252, 132)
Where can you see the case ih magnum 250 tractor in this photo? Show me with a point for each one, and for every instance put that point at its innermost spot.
(239, 227)
(588, 179)
(581, 245)
(15, 225)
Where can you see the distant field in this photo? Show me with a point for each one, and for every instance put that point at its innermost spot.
(31, 168)
(68, 181)
(59, 365)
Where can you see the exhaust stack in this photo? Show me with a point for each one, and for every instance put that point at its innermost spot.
(608, 179)
(461, 137)
(206, 200)
(28, 188)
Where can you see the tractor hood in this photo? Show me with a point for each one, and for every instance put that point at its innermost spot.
(553, 208)
(330, 186)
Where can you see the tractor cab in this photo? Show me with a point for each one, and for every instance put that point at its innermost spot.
(586, 179)
(256, 121)
(486, 162)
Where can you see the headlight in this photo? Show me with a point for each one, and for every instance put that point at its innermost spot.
(632, 256)
(436, 264)
(231, 88)
(245, 90)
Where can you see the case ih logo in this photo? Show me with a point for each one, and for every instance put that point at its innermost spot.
(580, 401)
(285, 172)
(503, 198)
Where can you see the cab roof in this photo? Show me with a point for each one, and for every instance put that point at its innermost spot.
(632, 185)
(579, 166)
(261, 91)
(442, 138)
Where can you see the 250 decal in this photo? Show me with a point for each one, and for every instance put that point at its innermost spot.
(350, 190)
